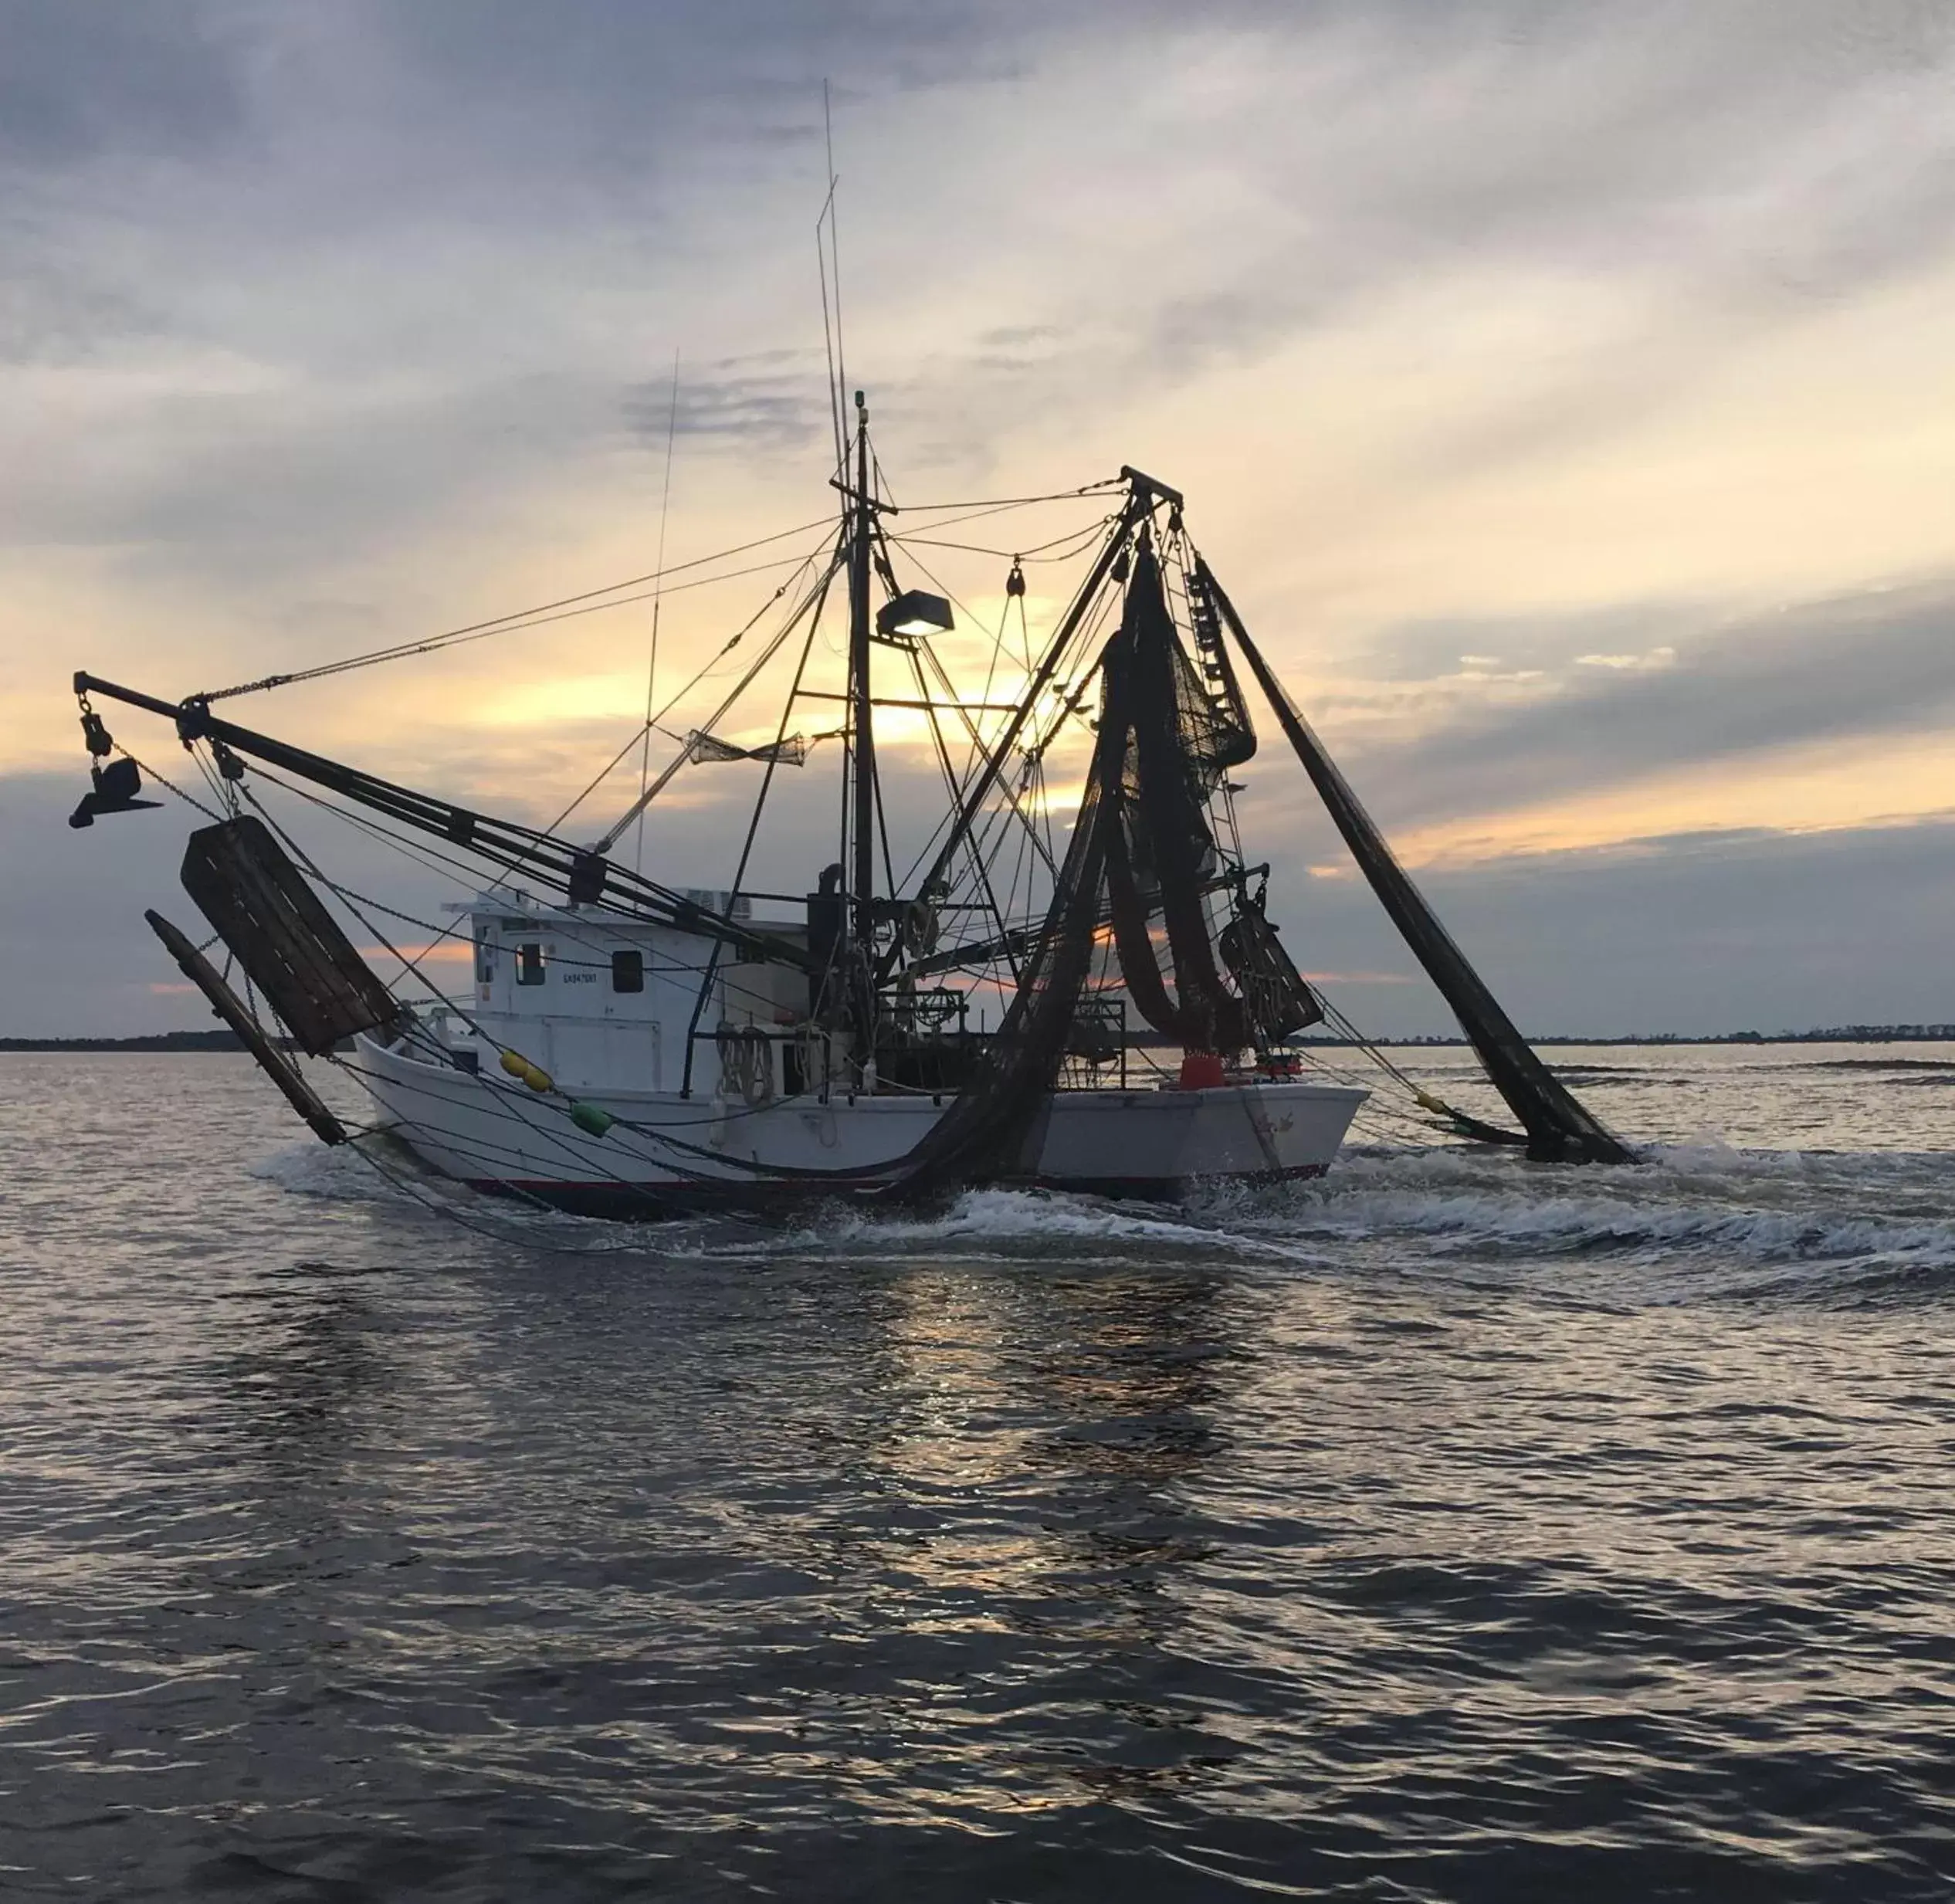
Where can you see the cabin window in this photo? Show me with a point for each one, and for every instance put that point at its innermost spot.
(628, 971)
(484, 957)
(529, 963)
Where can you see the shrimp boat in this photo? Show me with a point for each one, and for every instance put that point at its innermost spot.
(1009, 984)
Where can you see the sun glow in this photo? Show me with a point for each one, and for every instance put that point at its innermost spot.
(1820, 789)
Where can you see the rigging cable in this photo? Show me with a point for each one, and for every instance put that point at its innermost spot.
(992, 504)
(447, 868)
(520, 618)
(834, 267)
(658, 597)
(501, 1100)
(1069, 547)
(811, 599)
(655, 721)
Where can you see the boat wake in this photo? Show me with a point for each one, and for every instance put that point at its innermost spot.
(1013, 1221)
(1692, 1222)
(340, 1174)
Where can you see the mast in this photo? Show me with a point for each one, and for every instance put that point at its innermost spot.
(863, 761)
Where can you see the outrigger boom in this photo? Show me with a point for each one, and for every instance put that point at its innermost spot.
(586, 877)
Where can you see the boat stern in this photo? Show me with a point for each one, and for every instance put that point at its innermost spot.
(1163, 1143)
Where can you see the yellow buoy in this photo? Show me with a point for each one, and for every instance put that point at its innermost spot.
(534, 1075)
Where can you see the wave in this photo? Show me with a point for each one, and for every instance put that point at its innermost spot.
(1590, 1223)
(1580, 1070)
(1876, 1064)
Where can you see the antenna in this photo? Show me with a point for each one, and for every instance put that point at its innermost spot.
(658, 594)
(829, 263)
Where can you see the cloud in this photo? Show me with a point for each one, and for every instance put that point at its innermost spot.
(1708, 932)
(1662, 657)
(1516, 351)
(1695, 932)
(78, 81)
(771, 400)
(1872, 663)
(434, 952)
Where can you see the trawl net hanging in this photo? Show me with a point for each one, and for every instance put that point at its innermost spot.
(1160, 854)
(986, 1132)
(1560, 1128)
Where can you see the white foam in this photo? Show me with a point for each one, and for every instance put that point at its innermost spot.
(338, 1173)
(1017, 1216)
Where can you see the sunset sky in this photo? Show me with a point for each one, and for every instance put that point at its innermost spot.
(1566, 394)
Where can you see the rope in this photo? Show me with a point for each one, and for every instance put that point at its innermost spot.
(1074, 544)
(508, 1239)
(993, 505)
(652, 720)
(542, 614)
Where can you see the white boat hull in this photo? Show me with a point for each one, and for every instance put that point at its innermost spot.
(668, 1153)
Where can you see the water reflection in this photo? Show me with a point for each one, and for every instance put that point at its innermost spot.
(1039, 1429)
(309, 1356)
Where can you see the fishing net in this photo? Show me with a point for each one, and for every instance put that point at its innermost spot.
(1175, 744)
(1560, 1128)
(985, 1134)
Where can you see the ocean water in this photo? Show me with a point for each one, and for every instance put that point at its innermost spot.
(1452, 1529)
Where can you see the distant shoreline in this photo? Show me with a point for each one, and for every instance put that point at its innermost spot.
(1828, 1035)
(222, 1041)
(159, 1041)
